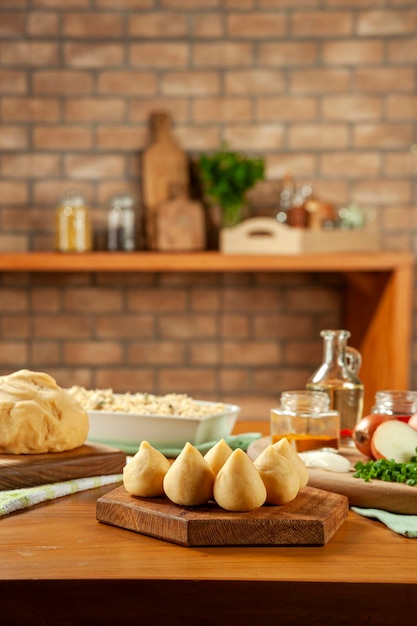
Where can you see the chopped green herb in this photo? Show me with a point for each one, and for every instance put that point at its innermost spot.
(388, 470)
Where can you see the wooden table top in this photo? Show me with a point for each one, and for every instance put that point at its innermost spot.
(56, 549)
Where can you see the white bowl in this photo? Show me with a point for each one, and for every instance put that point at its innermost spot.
(161, 431)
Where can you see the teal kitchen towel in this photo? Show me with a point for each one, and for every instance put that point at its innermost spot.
(17, 499)
(402, 524)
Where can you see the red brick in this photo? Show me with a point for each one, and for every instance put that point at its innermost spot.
(156, 300)
(124, 326)
(189, 4)
(309, 299)
(277, 381)
(89, 300)
(383, 135)
(251, 353)
(403, 51)
(62, 326)
(45, 300)
(289, 108)
(350, 164)
(396, 218)
(193, 381)
(186, 326)
(67, 82)
(13, 82)
(318, 136)
(385, 80)
(91, 25)
(92, 352)
(261, 137)
(282, 326)
(13, 137)
(351, 107)
(29, 165)
(86, 55)
(42, 24)
(44, 354)
(262, 81)
(94, 166)
(400, 164)
(352, 52)
(13, 300)
(30, 109)
(162, 24)
(16, 326)
(205, 353)
(12, 23)
(288, 53)
(222, 109)
(57, 4)
(29, 53)
(190, 83)
(401, 107)
(62, 137)
(235, 326)
(382, 192)
(125, 138)
(12, 192)
(126, 83)
(163, 55)
(255, 25)
(155, 352)
(207, 25)
(204, 139)
(223, 54)
(321, 23)
(386, 22)
(140, 109)
(319, 81)
(300, 164)
(14, 243)
(49, 190)
(125, 380)
(94, 109)
(14, 354)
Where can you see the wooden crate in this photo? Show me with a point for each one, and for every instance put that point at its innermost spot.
(264, 235)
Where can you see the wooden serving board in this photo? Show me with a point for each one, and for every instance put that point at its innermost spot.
(377, 494)
(311, 519)
(30, 470)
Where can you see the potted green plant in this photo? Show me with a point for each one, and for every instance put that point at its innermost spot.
(226, 177)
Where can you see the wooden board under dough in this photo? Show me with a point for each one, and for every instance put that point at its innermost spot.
(30, 470)
(377, 494)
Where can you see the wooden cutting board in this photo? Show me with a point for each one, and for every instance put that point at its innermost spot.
(30, 470)
(311, 519)
(377, 494)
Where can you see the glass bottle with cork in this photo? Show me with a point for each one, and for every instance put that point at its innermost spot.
(338, 377)
(305, 419)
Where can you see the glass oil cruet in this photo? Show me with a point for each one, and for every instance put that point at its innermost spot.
(338, 376)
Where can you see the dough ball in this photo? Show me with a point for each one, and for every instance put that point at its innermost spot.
(217, 456)
(279, 476)
(144, 474)
(37, 416)
(284, 447)
(189, 480)
(238, 485)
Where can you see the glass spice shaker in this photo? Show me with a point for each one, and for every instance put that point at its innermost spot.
(338, 377)
(305, 419)
(121, 230)
(72, 224)
(400, 404)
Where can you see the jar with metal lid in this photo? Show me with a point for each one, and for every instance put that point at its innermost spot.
(305, 419)
(400, 404)
(121, 226)
(72, 224)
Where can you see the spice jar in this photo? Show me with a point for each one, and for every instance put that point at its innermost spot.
(72, 224)
(305, 419)
(121, 227)
(399, 404)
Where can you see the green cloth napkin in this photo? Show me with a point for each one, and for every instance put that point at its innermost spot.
(234, 441)
(402, 524)
(17, 499)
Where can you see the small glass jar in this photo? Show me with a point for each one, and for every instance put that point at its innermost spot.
(398, 403)
(121, 227)
(72, 224)
(305, 419)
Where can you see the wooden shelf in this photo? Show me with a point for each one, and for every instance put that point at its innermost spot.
(201, 262)
(377, 308)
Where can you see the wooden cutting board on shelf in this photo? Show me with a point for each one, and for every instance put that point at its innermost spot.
(311, 519)
(377, 494)
(31, 470)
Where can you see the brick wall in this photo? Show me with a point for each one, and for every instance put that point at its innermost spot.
(325, 89)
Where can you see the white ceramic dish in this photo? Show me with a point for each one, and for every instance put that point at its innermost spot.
(161, 431)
